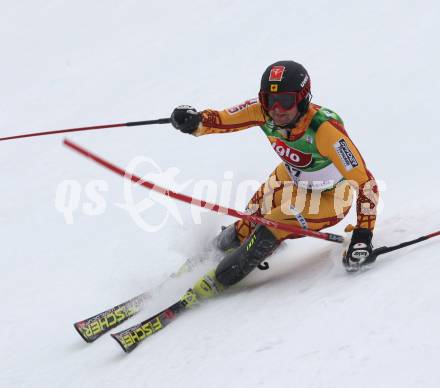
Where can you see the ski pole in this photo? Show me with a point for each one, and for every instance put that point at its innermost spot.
(130, 124)
(385, 249)
(203, 204)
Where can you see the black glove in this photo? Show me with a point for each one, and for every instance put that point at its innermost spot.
(185, 118)
(360, 250)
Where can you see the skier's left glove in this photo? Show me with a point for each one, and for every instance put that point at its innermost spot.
(359, 251)
(185, 118)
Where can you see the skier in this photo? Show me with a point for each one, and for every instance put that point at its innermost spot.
(318, 159)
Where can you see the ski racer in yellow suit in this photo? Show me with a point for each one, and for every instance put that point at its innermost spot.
(311, 188)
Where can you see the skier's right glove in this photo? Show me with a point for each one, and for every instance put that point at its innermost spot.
(185, 118)
(359, 251)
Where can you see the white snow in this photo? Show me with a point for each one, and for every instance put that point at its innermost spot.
(304, 323)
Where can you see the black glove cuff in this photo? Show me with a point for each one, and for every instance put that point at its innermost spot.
(193, 124)
(362, 235)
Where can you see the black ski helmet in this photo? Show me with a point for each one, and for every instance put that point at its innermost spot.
(287, 76)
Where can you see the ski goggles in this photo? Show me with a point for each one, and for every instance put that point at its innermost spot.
(284, 100)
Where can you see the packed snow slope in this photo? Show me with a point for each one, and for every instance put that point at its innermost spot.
(304, 323)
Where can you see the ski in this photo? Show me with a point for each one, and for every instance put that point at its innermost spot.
(92, 328)
(130, 338)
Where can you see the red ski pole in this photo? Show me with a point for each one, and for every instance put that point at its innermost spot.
(130, 124)
(203, 204)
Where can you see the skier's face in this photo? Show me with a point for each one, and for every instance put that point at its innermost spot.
(283, 117)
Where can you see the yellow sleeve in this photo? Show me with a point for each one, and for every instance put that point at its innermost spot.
(245, 115)
(334, 143)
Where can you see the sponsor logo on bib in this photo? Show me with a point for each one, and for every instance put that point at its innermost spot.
(290, 155)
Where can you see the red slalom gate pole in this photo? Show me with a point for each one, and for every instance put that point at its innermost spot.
(203, 204)
(130, 124)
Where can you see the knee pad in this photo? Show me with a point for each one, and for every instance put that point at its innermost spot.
(227, 239)
(239, 263)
